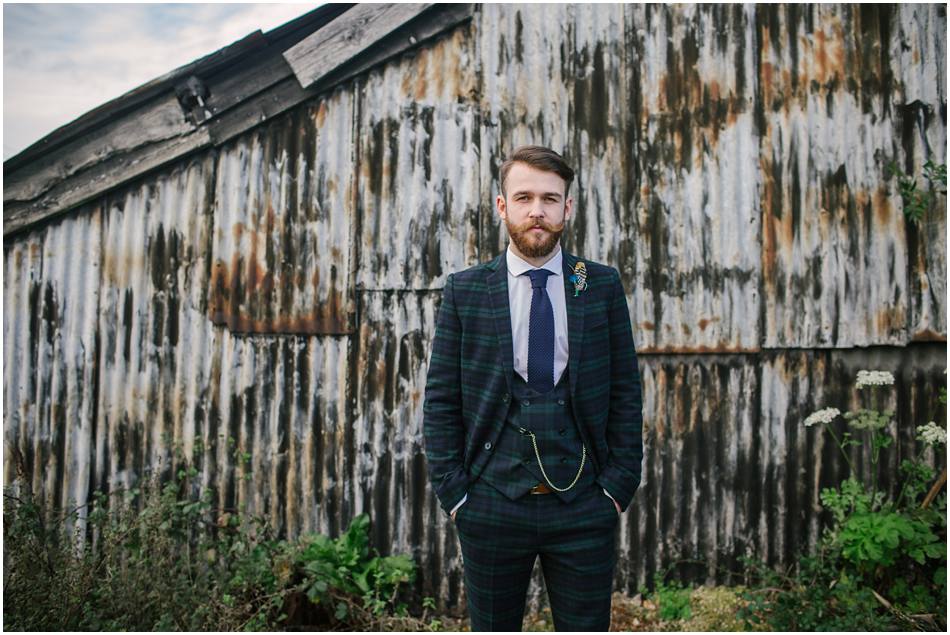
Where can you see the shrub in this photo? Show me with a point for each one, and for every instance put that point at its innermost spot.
(882, 564)
(672, 599)
(159, 558)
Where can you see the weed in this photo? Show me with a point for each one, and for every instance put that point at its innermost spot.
(157, 557)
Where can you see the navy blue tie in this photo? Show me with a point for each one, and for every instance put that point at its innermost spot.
(540, 333)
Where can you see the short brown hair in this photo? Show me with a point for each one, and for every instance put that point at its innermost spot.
(540, 158)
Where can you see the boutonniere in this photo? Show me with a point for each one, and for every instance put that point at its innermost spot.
(579, 278)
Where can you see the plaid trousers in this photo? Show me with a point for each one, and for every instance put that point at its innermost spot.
(501, 539)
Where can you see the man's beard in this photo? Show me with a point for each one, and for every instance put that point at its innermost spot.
(531, 245)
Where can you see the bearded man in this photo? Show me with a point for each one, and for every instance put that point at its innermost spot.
(532, 415)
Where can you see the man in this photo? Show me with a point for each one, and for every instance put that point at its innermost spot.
(532, 412)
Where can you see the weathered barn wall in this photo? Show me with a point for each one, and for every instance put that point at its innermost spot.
(275, 298)
(50, 343)
(418, 190)
(732, 471)
(282, 241)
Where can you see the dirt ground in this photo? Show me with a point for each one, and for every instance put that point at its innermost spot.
(712, 609)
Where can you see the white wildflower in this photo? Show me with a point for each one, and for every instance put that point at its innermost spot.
(825, 415)
(932, 434)
(874, 378)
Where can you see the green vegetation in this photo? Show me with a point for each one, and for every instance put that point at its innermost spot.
(918, 200)
(173, 562)
(673, 600)
(882, 564)
(161, 557)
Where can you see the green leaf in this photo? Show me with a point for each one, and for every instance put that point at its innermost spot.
(341, 611)
(361, 583)
(936, 550)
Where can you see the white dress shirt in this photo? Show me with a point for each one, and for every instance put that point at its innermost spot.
(519, 300)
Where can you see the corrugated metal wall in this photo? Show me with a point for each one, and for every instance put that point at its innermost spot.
(276, 298)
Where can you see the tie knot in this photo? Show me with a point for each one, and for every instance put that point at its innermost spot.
(539, 277)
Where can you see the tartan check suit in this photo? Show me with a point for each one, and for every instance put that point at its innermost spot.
(467, 398)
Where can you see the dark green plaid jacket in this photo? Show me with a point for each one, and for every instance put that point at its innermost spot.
(468, 386)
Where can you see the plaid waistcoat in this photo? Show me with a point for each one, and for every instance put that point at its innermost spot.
(513, 467)
(469, 382)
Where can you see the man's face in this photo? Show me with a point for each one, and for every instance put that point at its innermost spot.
(534, 209)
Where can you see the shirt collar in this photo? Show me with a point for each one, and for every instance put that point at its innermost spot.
(517, 266)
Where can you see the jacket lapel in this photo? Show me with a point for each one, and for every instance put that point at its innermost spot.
(497, 281)
(575, 318)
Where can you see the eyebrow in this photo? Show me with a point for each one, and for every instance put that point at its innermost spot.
(552, 194)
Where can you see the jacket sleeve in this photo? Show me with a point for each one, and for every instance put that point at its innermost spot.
(621, 475)
(442, 423)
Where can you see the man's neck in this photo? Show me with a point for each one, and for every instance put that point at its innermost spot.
(535, 262)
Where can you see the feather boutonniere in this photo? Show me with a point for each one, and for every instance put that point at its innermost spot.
(579, 278)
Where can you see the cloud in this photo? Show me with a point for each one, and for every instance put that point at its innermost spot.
(62, 60)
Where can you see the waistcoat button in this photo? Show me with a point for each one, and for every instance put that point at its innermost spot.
(562, 431)
(488, 445)
(560, 402)
(526, 403)
(505, 398)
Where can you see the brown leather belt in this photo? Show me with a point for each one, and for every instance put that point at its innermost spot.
(540, 488)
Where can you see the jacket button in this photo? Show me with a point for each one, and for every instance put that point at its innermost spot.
(560, 402)
(563, 459)
(505, 398)
(526, 403)
(488, 445)
(562, 431)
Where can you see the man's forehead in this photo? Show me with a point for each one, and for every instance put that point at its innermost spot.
(524, 178)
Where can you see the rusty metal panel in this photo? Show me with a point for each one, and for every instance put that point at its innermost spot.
(597, 118)
(838, 255)
(389, 469)
(51, 291)
(418, 189)
(729, 468)
(153, 324)
(919, 65)
(693, 153)
(263, 419)
(283, 224)
(278, 441)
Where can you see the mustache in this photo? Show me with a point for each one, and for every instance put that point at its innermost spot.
(532, 223)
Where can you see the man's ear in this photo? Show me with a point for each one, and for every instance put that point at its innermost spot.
(568, 208)
(501, 206)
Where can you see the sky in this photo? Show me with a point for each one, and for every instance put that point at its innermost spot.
(62, 60)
